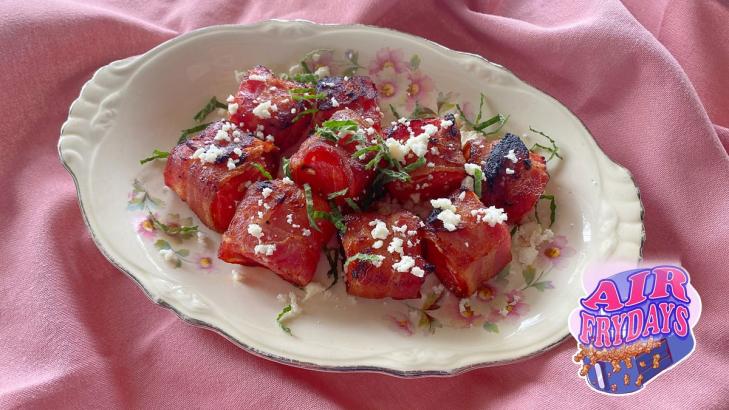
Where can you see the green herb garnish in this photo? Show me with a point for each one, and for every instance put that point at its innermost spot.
(553, 150)
(422, 112)
(415, 165)
(374, 259)
(262, 170)
(211, 106)
(334, 130)
(304, 113)
(480, 126)
(552, 209)
(477, 180)
(335, 216)
(306, 78)
(352, 204)
(312, 214)
(333, 257)
(156, 154)
(338, 193)
(286, 168)
(306, 94)
(186, 133)
(394, 112)
(280, 317)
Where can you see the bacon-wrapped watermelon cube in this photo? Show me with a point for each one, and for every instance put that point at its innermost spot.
(211, 171)
(326, 162)
(436, 144)
(266, 106)
(467, 242)
(383, 255)
(513, 177)
(357, 93)
(272, 228)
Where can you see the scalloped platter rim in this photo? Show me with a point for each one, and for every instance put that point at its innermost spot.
(134, 105)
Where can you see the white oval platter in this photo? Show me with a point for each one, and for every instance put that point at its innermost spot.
(135, 105)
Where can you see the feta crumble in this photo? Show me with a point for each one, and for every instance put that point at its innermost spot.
(335, 103)
(450, 219)
(256, 231)
(257, 77)
(442, 203)
(380, 230)
(377, 245)
(417, 271)
(509, 171)
(232, 108)
(264, 249)
(511, 156)
(263, 110)
(471, 168)
(491, 215)
(404, 264)
(266, 192)
(231, 164)
(395, 245)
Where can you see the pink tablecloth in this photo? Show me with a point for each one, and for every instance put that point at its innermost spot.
(650, 80)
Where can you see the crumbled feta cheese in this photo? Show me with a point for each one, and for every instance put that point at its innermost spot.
(412, 233)
(290, 219)
(256, 231)
(509, 171)
(257, 77)
(511, 156)
(430, 129)
(418, 145)
(380, 230)
(400, 229)
(462, 195)
(468, 136)
(312, 289)
(369, 121)
(434, 151)
(306, 232)
(263, 110)
(377, 245)
(230, 99)
(209, 154)
(322, 72)
(430, 165)
(404, 264)
(442, 203)
(450, 219)
(260, 215)
(267, 250)
(236, 139)
(221, 136)
(335, 103)
(377, 262)
(270, 138)
(370, 131)
(231, 164)
(417, 271)
(395, 245)
(491, 215)
(446, 123)
(232, 108)
(398, 151)
(293, 110)
(287, 181)
(471, 168)
(266, 192)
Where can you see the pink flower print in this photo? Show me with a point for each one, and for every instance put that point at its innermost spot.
(402, 322)
(556, 251)
(514, 306)
(204, 262)
(388, 58)
(419, 87)
(145, 227)
(390, 85)
(486, 293)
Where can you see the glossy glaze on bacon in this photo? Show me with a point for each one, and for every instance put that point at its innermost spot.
(279, 209)
(466, 258)
(518, 192)
(357, 93)
(212, 190)
(365, 279)
(281, 125)
(445, 172)
(328, 167)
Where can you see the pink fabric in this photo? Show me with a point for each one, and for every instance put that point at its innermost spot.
(75, 331)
